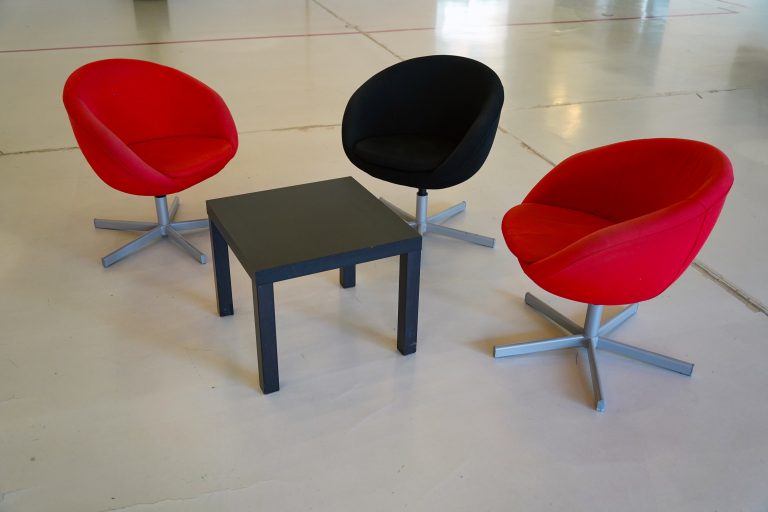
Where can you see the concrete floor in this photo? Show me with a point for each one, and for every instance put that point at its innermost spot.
(120, 388)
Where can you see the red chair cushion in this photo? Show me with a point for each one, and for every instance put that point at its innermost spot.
(534, 231)
(184, 157)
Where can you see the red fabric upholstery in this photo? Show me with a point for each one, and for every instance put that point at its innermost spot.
(148, 129)
(619, 224)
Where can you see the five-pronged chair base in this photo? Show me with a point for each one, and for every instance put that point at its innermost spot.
(431, 223)
(163, 228)
(592, 337)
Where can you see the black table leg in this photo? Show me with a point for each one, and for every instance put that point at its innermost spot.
(347, 276)
(221, 275)
(408, 302)
(266, 336)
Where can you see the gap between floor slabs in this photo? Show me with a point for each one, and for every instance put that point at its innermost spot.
(303, 128)
(501, 129)
(632, 98)
(748, 300)
(245, 132)
(526, 146)
(358, 31)
(34, 151)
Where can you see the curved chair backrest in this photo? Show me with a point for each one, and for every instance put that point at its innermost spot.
(117, 102)
(456, 98)
(662, 198)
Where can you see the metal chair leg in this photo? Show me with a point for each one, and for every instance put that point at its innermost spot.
(531, 347)
(402, 213)
(591, 337)
(164, 227)
(132, 247)
(597, 388)
(447, 213)
(646, 356)
(552, 314)
(461, 235)
(617, 320)
(123, 225)
(173, 209)
(186, 225)
(425, 224)
(180, 241)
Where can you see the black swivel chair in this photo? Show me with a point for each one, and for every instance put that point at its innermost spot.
(426, 123)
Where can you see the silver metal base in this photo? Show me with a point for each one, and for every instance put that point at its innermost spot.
(163, 228)
(592, 337)
(431, 223)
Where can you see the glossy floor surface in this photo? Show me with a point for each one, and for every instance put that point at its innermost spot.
(120, 388)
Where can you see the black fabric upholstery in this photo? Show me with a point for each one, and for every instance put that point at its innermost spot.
(427, 122)
(408, 153)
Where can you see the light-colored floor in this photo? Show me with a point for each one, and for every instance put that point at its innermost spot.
(120, 389)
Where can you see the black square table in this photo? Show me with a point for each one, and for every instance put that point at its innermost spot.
(295, 231)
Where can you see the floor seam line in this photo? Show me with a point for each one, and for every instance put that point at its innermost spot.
(631, 98)
(34, 151)
(291, 128)
(359, 30)
(527, 146)
(240, 132)
(751, 302)
(732, 3)
(190, 498)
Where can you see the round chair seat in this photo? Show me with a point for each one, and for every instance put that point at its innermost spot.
(535, 231)
(186, 156)
(405, 153)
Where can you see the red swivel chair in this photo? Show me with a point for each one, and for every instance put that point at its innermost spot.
(149, 130)
(615, 225)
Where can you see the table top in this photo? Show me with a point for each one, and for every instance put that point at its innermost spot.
(293, 231)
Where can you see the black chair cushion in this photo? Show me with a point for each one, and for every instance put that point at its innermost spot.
(409, 153)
